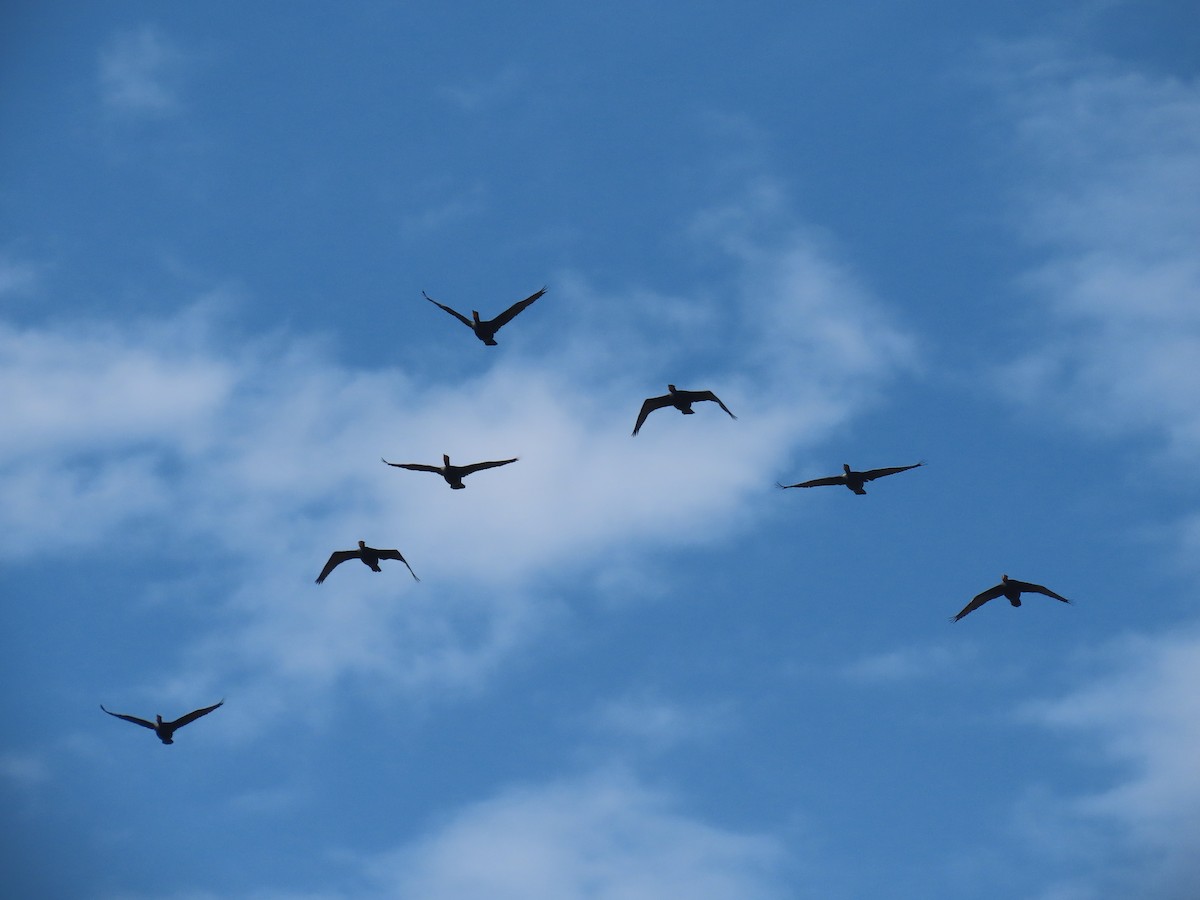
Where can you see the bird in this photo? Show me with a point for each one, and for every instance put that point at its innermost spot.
(851, 479)
(370, 558)
(1010, 588)
(454, 475)
(681, 400)
(165, 730)
(485, 329)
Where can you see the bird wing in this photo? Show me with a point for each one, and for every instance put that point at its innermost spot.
(336, 558)
(649, 405)
(395, 554)
(416, 467)
(193, 715)
(979, 599)
(817, 482)
(1037, 589)
(475, 467)
(509, 314)
(708, 395)
(134, 719)
(872, 474)
(452, 312)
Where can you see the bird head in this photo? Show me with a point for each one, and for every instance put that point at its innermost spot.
(1004, 579)
(671, 388)
(445, 459)
(475, 315)
(362, 545)
(846, 468)
(158, 719)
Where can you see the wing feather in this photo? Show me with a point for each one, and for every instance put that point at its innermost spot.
(336, 559)
(395, 554)
(649, 405)
(817, 482)
(475, 467)
(708, 395)
(979, 599)
(1038, 589)
(415, 467)
(509, 314)
(194, 715)
(872, 474)
(134, 719)
(452, 312)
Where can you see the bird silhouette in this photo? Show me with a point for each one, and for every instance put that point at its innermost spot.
(1009, 588)
(485, 329)
(851, 479)
(681, 400)
(454, 475)
(369, 556)
(165, 730)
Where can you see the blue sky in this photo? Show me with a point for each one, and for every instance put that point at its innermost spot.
(633, 668)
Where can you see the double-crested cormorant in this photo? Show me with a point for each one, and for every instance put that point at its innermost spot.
(681, 400)
(165, 730)
(369, 556)
(454, 475)
(485, 329)
(1010, 588)
(851, 479)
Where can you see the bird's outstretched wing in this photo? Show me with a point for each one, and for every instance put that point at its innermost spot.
(416, 467)
(475, 467)
(817, 482)
(979, 599)
(649, 405)
(452, 312)
(1038, 589)
(395, 554)
(194, 715)
(134, 719)
(696, 396)
(507, 316)
(336, 559)
(872, 474)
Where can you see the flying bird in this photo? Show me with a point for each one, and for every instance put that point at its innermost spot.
(681, 400)
(1010, 588)
(454, 475)
(485, 329)
(851, 479)
(165, 730)
(370, 558)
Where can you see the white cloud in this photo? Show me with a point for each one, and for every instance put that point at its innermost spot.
(258, 459)
(1113, 167)
(1139, 722)
(907, 664)
(657, 723)
(135, 72)
(603, 838)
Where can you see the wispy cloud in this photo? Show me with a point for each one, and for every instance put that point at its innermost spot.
(480, 94)
(136, 71)
(600, 837)
(1138, 721)
(273, 451)
(1113, 167)
(907, 664)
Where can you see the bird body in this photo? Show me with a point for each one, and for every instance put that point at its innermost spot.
(485, 329)
(454, 475)
(370, 557)
(1011, 590)
(681, 400)
(165, 730)
(852, 479)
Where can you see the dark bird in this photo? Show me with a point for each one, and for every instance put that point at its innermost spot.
(165, 730)
(369, 556)
(1010, 588)
(454, 475)
(681, 400)
(851, 479)
(485, 329)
